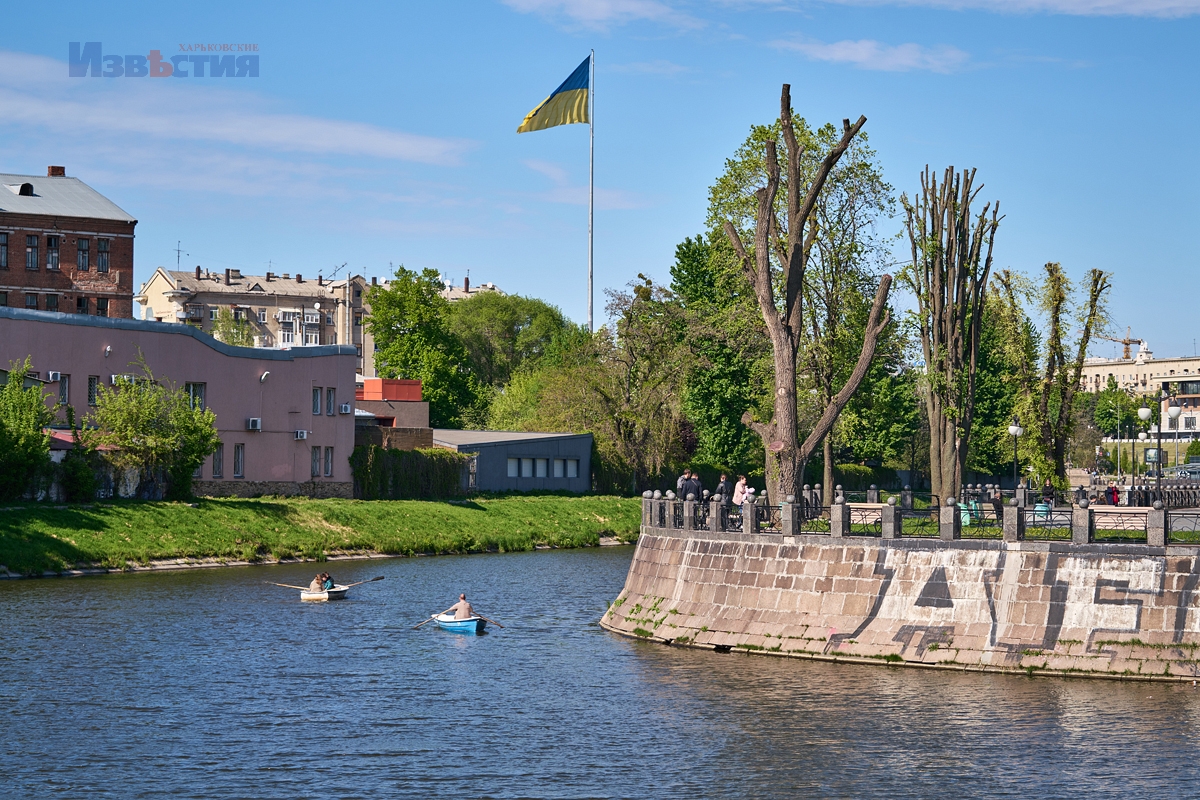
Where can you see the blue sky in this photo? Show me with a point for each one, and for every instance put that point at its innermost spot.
(384, 133)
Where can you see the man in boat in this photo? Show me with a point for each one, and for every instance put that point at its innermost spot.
(462, 609)
(326, 582)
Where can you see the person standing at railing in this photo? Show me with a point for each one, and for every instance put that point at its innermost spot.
(687, 473)
(725, 490)
(691, 486)
(739, 491)
(1048, 493)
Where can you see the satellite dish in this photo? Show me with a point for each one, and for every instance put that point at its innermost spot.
(775, 447)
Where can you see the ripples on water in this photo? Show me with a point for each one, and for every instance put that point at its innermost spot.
(209, 683)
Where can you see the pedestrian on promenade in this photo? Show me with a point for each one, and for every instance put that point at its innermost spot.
(725, 490)
(739, 491)
(692, 486)
(687, 473)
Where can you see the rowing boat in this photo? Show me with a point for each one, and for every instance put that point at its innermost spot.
(336, 593)
(473, 625)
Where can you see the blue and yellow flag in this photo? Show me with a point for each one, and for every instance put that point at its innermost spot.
(568, 103)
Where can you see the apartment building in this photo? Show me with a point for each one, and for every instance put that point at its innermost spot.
(64, 247)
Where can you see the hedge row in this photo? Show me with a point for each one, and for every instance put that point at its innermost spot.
(384, 474)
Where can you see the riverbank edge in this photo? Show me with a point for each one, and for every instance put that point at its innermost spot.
(173, 564)
(1035, 672)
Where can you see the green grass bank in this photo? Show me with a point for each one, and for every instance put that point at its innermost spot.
(35, 538)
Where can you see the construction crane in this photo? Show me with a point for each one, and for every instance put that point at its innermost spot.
(1128, 340)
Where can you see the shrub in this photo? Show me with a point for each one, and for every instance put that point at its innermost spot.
(385, 474)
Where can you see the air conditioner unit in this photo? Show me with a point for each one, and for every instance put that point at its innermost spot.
(54, 377)
(254, 424)
(301, 435)
(346, 409)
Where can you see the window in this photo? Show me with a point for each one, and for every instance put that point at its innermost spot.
(540, 467)
(93, 387)
(331, 338)
(1172, 424)
(331, 401)
(559, 469)
(572, 467)
(358, 317)
(239, 314)
(316, 462)
(316, 401)
(195, 393)
(526, 467)
(3, 299)
(514, 465)
(82, 254)
(51, 252)
(286, 336)
(52, 302)
(31, 245)
(262, 316)
(1189, 423)
(101, 306)
(81, 305)
(311, 338)
(328, 462)
(329, 319)
(199, 473)
(3, 251)
(218, 461)
(358, 347)
(102, 255)
(31, 301)
(239, 461)
(212, 315)
(64, 389)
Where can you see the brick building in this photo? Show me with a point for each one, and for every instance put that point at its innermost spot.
(64, 247)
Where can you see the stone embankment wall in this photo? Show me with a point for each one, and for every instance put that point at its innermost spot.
(1127, 610)
(315, 489)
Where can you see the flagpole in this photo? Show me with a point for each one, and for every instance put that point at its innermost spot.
(591, 176)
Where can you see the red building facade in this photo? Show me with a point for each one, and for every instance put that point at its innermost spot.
(64, 247)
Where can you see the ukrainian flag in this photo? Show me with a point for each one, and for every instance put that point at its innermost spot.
(568, 103)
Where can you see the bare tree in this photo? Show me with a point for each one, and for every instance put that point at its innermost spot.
(784, 317)
(949, 275)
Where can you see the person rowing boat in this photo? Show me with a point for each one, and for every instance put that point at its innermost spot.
(462, 609)
(322, 583)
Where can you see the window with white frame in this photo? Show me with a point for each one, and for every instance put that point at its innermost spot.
(539, 466)
(316, 404)
(572, 467)
(262, 316)
(1189, 423)
(560, 469)
(287, 336)
(514, 467)
(526, 467)
(311, 338)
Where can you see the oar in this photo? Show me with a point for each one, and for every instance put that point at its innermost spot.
(426, 622)
(286, 586)
(481, 616)
(360, 583)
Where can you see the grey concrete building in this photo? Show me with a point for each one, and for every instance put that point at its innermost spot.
(509, 461)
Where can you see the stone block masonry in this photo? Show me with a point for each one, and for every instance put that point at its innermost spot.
(1114, 610)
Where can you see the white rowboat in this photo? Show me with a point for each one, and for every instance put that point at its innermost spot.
(336, 593)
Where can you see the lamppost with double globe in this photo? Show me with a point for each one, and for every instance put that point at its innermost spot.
(1015, 430)
(1173, 411)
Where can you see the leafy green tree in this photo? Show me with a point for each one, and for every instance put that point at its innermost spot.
(24, 442)
(1115, 410)
(77, 471)
(501, 333)
(152, 428)
(1193, 448)
(410, 321)
(231, 330)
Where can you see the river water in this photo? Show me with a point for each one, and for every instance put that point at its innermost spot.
(209, 683)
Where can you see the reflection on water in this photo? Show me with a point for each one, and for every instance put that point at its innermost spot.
(211, 684)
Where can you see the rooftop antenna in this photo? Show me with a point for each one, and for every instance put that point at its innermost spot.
(337, 270)
(179, 250)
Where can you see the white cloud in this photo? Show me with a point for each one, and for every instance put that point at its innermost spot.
(600, 14)
(1130, 8)
(36, 92)
(873, 55)
(563, 192)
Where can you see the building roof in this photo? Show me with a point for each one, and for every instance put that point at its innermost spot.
(121, 323)
(453, 292)
(454, 438)
(57, 197)
(239, 284)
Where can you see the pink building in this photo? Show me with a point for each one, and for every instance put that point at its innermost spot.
(285, 417)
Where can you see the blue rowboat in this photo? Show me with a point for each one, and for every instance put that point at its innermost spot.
(472, 625)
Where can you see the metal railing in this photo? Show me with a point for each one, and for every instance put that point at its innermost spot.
(1185, 527)
(1120, 526)
(919, 522)
(1042, 522)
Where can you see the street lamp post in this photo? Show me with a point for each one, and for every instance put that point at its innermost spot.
(1173, 411)
(1015, 430)
(1142, 439)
